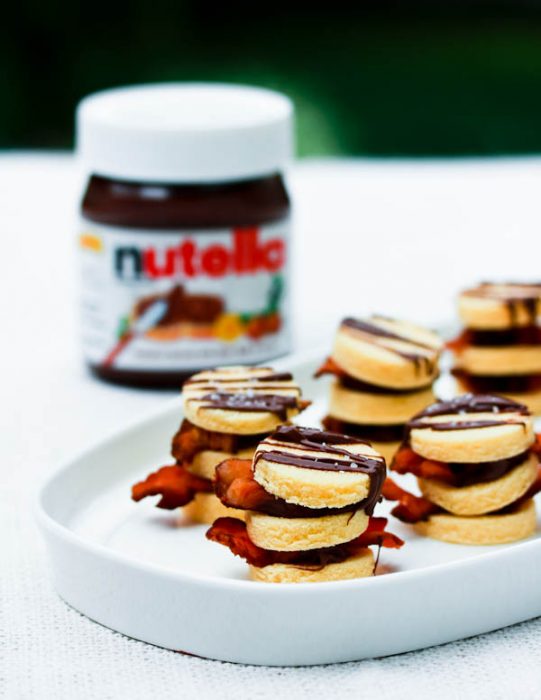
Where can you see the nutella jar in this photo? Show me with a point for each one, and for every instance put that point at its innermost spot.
(184, 239)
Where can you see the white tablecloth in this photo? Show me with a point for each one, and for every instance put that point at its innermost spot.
(395, 237)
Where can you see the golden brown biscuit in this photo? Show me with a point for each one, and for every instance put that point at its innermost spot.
(206, 508)
(499, 306)
(359, 566)
(364, 408)
(482, 529)
(494, 428)
(500, 361)
(387, 353)
(483, 497)
(330, 474)
(241, 400)
(299, 534)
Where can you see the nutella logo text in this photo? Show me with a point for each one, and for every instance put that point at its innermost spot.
(245, 254)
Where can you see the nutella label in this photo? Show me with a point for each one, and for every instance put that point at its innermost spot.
(183, 300)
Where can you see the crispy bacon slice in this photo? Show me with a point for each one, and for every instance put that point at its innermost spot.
(329, 366)
(410, 508)
(189, 440)
(375, 533)
(232, 533)
(175, 484)
(406, 461)
(236, 487)
(460, 343)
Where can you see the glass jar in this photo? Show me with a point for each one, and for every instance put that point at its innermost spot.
(185, 230)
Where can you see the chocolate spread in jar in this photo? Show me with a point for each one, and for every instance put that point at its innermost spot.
(185, 231)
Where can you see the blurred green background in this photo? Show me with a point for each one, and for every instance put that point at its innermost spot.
(378, 78)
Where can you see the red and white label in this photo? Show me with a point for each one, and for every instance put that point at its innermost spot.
(182, 300)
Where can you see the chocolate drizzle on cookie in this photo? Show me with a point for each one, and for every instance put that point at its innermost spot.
(419, 359)
(246, 402)
(324, 451)
(467, 404)
(270, 377)
(246, 390)
(514, 295)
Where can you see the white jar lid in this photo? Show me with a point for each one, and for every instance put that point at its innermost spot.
(185, 132)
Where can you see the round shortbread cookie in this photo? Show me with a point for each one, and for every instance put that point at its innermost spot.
(511, 359)
(359, 566)
(204, 463)
(300, 534)
(206, 508)
(387, 353)
(486, 496)
(499, 306)
(325, 470)
(241, 400)
(483, 529)
(531, 399)
(494, 428)
(362, 407)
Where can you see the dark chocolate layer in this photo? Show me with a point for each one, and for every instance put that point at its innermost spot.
(315, 443)
(466, 404)
(376, 433)
(528, 335)
(467, 473)
(511, 383)
(244, 401)
(525, 297)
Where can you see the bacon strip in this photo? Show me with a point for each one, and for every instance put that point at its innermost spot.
(232, 533)
(406, 461)
(236, 487)
(410, 508)
(189, 440)
(329, 366)
(375, 533)
(175, 484)
(460, 343)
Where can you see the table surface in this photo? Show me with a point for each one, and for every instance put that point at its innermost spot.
(396, 237)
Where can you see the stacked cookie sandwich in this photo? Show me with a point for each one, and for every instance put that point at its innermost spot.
(384, 371)
(500, 349)
(309, 497)
(475, 459)
(228, 411)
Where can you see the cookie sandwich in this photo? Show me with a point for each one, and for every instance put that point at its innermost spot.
(227, 412)
(383, 374)
(499, 350)
(309, 496)
(476, 462)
